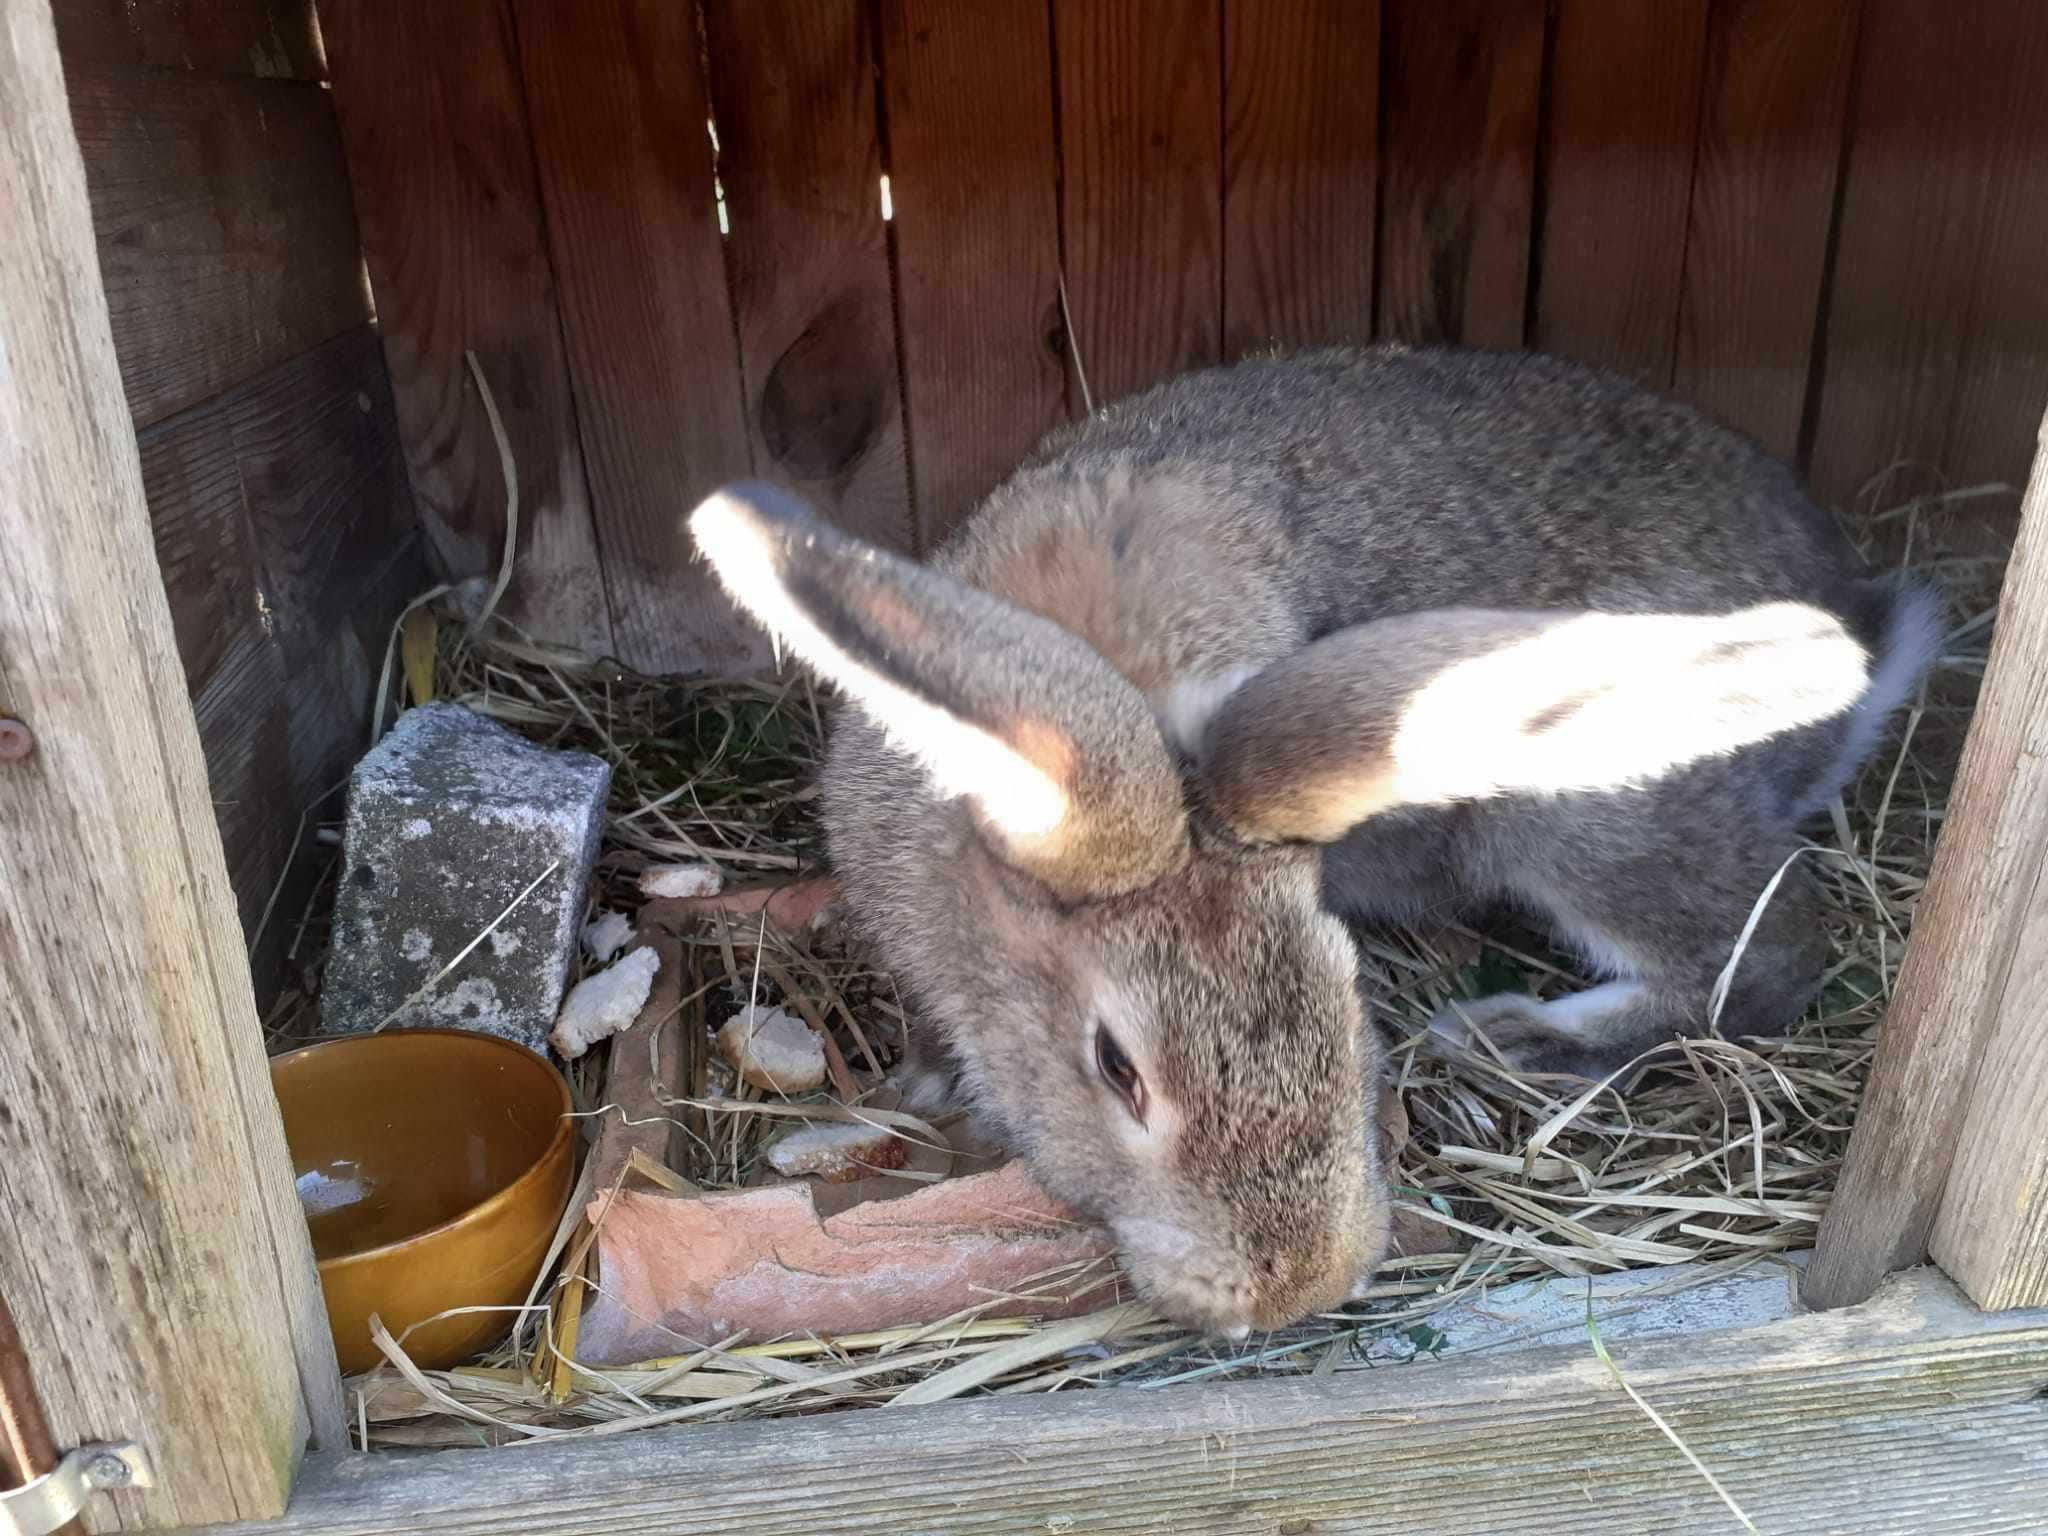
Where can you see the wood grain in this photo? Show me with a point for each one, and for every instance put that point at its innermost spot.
(245, 734)
(1140, 93)
(323, 480)
(151, 1245)
(225, 236)
(1463, 82)
(1914, 1414)
(285, 532)
(1617, 176)
(1770, 144)
(1974, 956)
(1300, 171)
(793, 90)
(1936, 88)
(1991, 1231)
(452, 230)
(2002, 384)
(265, 38)
(619, 114)
(204, 543)
(968, 108)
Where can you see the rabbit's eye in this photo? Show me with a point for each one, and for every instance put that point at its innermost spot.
(1117, 1071)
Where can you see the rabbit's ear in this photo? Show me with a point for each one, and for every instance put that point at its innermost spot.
(1465, 704)
(1058, 757)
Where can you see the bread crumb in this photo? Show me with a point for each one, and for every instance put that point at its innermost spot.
(600, 1006)
(775, 1051)
(681, 880)
(606, 934)
(837, 1153)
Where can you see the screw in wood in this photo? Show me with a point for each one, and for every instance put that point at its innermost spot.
(16, 740)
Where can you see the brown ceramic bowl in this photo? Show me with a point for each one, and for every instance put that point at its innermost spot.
(433, 1166)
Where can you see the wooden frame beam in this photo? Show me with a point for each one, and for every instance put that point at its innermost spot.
(151, 1246)
(1913, 1413)
(1942, 1149)
(1991, 1232)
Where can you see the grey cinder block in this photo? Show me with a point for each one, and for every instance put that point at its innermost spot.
(450, 818)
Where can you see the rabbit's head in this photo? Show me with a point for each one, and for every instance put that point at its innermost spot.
(1122, 944)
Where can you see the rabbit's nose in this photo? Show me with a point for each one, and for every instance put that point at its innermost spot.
(1295, 1286)
(1200, 1284)
(1219, 1306)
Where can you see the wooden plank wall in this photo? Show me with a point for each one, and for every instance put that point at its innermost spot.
(269, 442)
(1820, 220)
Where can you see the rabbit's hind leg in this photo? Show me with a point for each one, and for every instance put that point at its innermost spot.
(1659, 924)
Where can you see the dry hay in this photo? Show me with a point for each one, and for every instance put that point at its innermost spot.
(1722, 1158)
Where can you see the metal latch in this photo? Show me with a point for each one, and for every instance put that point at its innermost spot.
(52, 1501)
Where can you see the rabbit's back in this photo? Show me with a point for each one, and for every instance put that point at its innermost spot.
(1348, 484)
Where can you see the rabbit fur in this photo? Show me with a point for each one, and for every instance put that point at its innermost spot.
(1352, 634)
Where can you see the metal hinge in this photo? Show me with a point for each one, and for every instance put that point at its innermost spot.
(54, 1500)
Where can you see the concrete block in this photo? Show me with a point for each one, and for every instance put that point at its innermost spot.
(450, 818)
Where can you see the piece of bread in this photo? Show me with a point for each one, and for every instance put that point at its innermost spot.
(680, 880)
(602, 1004)
(837, 1152)
(775, 1051)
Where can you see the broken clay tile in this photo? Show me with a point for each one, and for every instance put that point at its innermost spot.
(820, 1258)
(790, 906)
(677, 1272)
(644, 1074)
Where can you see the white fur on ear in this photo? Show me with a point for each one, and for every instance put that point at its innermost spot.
(1604, 701)
(1016, 797)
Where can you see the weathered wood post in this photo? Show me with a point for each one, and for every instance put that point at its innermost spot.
(151, 1247)
(1950, 1152)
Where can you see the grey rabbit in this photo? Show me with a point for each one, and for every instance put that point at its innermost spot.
(1348, 634)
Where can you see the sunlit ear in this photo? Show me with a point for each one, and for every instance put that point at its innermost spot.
(1057, 756)
(1466, 704)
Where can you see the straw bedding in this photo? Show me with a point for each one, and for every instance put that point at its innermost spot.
(1724, 1157)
